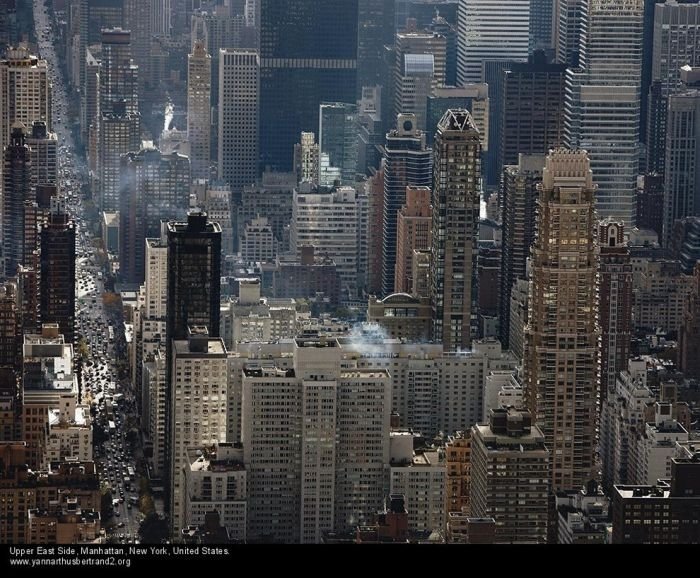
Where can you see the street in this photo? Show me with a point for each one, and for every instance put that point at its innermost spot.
(111, 398)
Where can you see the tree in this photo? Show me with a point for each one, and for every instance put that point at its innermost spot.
(106, 503)
(83, 349)
(153, 529)
(146, 505)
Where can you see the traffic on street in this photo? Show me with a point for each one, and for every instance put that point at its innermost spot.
(98, 327)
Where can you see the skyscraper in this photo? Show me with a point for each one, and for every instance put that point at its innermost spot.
(682, 165)
(407, 162)
(315, 437)
(420, 68)
(602, 103)
(541, 22)
(676, 43)
(375, 30)
(16, 190)
(337, 138)
(533, 109)
(118, 74)
(137, 20)
(154, 188)
(330, 221)
(199, 110)
(308, 55)
(194, 266)
(120, 124)
(561, 349)
(57, 278)
(490, 30)
(25, 92)
(193, 293)
(239, 86)
(615, 303)
(519, 198)
(569, 34)
(455, 228)
(119, 134)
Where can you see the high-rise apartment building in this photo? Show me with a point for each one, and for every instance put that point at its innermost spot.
(337, 138)
(216, 481)
(16, 191)
(308, 55)
(407, 162)
(519, 198)
(419, 69)
(533, 109)
(455, 228)
(510, 476)
(412, 234)
(561, 350)
(152, 371)
(198, 407)
(330, 221)
(482, 27)
(675, 44)
(315, 435)
(615, 302)
(43, 146)
(199, 110)
(239, 109)
(602, 112)
(25, 92)
(57, 266)
(154, 187)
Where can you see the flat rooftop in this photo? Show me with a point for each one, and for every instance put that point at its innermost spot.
(213, 346)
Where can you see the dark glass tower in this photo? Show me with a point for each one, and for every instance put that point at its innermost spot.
(194, 271)
(194, 290)
(15, 191)
(375, 30)
(57, 280)
(308, 55)
(532, 112)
